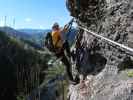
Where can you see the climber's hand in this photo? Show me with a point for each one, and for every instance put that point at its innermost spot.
(66, 28)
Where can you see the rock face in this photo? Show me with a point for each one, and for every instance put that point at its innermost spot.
(112, 19)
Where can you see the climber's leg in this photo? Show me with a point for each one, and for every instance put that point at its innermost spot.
(67, 48)
(68, 67)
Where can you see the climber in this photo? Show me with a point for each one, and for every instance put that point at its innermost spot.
(59, 38)
(61, 45)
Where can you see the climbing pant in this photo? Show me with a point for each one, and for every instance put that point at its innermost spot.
(68, 67)
(66, 47)
(66, 63)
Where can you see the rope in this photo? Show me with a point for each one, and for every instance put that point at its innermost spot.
(108, 40)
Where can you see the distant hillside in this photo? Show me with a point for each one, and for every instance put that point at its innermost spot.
(37, 35)
(34, 31)
(12, 32)
(20, 67)
(30, 39)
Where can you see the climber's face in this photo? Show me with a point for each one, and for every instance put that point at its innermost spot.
(55, 28)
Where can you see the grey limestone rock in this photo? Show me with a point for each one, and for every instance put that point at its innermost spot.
(112, 19)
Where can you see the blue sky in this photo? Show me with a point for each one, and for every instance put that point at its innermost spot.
(34, 13)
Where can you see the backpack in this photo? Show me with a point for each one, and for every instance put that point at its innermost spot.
(49, 42)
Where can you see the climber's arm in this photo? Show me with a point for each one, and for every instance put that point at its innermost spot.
(65, 29)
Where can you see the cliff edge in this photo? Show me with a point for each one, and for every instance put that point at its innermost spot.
(104, 66)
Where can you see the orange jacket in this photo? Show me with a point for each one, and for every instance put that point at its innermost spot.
(56, 37)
